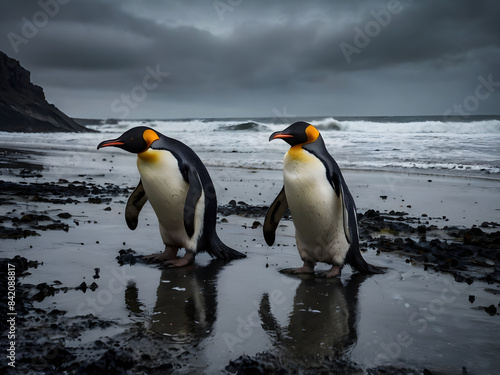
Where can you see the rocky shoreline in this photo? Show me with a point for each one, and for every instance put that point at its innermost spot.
(466, 253)
(469, 254)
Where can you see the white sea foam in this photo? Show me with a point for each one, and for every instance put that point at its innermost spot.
(412, 127)
(434, 126)
(410, 145)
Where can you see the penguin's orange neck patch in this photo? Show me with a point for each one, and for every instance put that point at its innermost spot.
(297, 152)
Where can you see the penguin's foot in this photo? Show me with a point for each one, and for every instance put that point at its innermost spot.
(169, 254)
(331, 273)
(306, 268)
(186, 260)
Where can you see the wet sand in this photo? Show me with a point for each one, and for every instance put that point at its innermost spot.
(86, 302)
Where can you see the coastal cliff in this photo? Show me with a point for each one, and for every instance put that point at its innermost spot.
(23, 107)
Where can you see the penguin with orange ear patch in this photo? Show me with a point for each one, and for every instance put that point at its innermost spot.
(181, 192)
(322, 208)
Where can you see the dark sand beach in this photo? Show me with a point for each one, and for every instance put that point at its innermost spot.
(85, 302)
(405, 97)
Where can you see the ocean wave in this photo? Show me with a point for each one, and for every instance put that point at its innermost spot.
(329, 124)
(244, 126)
(413, 127)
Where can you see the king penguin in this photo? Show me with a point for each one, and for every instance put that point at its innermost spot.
(322, 208)
(181, 192)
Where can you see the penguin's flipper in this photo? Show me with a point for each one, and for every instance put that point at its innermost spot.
(273, 217)
(353, 257)
(193, 196)
(350, 216)
(134, 206)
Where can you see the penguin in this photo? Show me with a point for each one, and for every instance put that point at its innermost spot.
(181, 192)
(322, 208)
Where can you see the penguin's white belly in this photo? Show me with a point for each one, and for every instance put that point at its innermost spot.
(166, 190)
(316, 210)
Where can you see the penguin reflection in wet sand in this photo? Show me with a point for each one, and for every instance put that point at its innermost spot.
(322, 208)
(179, 188)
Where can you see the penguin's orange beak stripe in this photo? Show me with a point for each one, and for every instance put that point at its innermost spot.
(110, 143)
(279, 135)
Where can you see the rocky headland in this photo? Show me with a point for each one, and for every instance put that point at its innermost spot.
(23, 107)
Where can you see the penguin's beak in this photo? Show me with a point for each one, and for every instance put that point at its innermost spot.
(112, 142)
(281, 135)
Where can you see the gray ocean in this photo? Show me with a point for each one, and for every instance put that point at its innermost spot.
(434, 145)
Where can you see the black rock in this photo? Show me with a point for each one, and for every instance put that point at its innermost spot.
(492, 310)
(256, 224)
(83, 287)
(130, 257)
(44, 290)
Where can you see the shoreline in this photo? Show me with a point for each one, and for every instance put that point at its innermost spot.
(101, 308)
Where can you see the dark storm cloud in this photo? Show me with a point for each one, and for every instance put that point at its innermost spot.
(247, 57)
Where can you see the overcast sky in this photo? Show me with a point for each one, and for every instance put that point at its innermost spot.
(243, 58)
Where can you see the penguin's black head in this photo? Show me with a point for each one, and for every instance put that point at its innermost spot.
(135, 140)
(298, 133)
